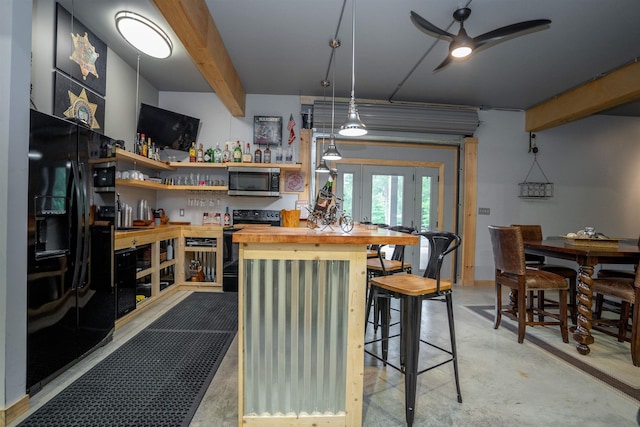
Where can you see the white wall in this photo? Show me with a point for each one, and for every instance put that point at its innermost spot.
(218, 126)
(593, 163)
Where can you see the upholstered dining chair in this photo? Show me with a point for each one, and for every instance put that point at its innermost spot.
(511, 271)
(534, 232)
(628, 292)
(607, 304)
(412, 291)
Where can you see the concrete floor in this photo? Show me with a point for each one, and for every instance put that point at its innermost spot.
(503, 383)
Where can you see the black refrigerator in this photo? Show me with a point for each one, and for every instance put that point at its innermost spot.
(70, 293)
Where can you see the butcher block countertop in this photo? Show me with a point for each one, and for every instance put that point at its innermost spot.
(359, 235)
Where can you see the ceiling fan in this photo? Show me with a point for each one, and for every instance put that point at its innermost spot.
(462, 45)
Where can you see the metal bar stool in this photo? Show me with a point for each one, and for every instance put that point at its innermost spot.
(412, 290)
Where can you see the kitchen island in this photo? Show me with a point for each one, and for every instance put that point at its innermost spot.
(301, 324)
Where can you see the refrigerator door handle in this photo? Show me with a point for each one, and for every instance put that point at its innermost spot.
(76, 184)
(84, 181)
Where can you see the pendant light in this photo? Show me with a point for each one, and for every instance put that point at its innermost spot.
(353, 126)
(322, 167)
(332, 152)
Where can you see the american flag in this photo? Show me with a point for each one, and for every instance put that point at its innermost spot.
(292, 133)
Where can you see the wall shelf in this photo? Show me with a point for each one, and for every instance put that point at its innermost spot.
(141, 184)
(129, 157)
(282, 166)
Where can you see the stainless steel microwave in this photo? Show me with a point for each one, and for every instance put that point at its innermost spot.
(254, 181)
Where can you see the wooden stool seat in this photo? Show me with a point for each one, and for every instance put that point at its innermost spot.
(410, 284)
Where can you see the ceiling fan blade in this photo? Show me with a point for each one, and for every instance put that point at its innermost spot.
(509, 30)
(443, 64)
(427, 26)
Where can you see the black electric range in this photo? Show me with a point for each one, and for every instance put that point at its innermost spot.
(256, 216)
(230, 249)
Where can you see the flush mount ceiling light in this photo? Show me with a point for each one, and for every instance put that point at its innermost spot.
(143, 34)
(353, 126)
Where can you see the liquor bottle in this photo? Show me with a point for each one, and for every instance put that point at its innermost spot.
(149, 148)
(246, 156)
(227, 217)
(135, 143)
(192, 152)
(257, 155)
(267, 154)
(143, 152)
(217, 154)
(278, 155)
(141, 143)
(324, 196)
(237, 153)
(288, 155)
(226, 154)
(200, 154)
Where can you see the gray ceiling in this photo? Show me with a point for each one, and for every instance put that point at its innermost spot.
(282, 47)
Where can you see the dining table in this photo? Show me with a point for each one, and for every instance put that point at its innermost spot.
(587, 256)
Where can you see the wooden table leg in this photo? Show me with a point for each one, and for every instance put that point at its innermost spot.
(582, 334)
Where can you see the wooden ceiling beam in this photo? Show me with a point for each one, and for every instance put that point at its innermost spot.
(194, 26)
(616, 88)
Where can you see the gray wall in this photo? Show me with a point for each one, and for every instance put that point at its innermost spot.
(120, 110)
(593, 163)
(15, 47)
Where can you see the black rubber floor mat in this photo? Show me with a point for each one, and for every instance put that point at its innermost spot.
(155, 379)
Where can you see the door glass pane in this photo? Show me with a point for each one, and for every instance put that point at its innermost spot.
(425, 206)
(347, 193)
(386, 199)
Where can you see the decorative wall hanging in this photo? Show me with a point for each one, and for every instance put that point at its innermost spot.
(79, 53)
(293, 182)
(74, 101)
(267, 130)
(535, 190)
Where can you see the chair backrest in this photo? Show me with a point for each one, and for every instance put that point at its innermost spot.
(441, 243)
(531, 232)
(398, 250)
(508, 249)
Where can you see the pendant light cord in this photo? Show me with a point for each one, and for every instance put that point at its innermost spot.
(137, 88)
(353, 48)
(333, 94)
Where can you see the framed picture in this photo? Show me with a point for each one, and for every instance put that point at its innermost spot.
(73, 100)
(79, 53)
(267, 130)
(293, 182)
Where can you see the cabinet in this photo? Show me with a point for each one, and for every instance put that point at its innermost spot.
(201, 252)
(155, 270)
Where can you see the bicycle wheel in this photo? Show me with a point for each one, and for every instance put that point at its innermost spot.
(346, 223)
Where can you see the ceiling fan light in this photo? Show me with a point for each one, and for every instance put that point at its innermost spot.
(332, 152)
(353, 126)
(461, 51)
(143, 34)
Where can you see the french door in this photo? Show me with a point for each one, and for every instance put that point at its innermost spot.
(392, 195)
